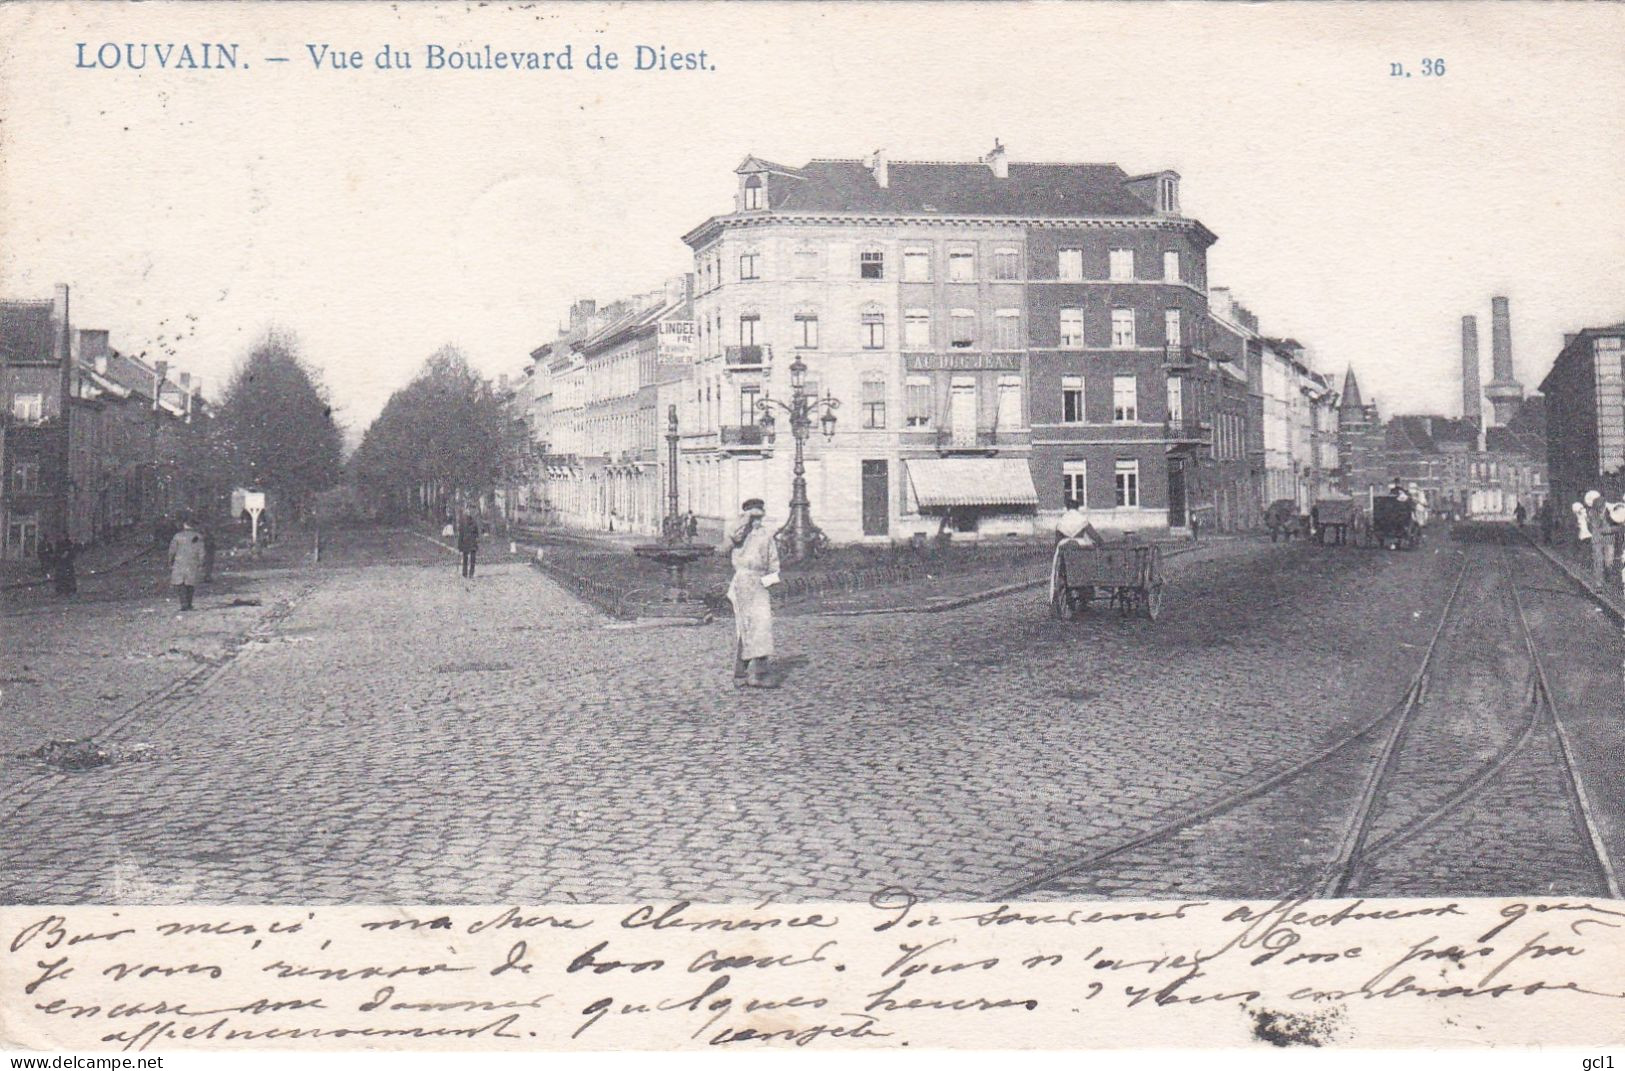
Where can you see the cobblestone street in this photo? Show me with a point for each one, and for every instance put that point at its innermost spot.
(376, 729)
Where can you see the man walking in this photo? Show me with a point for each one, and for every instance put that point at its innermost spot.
(468, 542)
(186, 561)
(756, 568)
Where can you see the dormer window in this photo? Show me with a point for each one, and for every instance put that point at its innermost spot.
(1168, 194)
(755, 192)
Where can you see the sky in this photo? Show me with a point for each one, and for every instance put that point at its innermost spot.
(379, 215)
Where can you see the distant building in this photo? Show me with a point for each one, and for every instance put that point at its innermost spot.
(598, 394)
(93, 442)
(1585, 415)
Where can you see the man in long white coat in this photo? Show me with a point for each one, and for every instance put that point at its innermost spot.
(755, 561)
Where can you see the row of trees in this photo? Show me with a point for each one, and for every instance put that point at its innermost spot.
(441, 440)
(274, 426)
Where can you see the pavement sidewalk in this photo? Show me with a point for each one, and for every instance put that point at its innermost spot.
(93, 561)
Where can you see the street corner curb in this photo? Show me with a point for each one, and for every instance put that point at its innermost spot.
(1609, 607)
(643, 623)
(939, 606)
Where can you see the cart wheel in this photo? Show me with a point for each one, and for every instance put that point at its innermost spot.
(1153, 601)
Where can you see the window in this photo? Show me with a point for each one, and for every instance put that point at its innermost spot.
(1072, 399)
(806, 264)
(1170, 267)
(1176, 400)
(22, 537)
(1007, 329)
(1075, 484)
(1171, 327)
(806, 331)
(1006, 264)
(753, 192)
(1168, 194)
(1071, 267)
(1128, 483)
(963, 328)
(872, 264)
(1122, 329)
(961, 266)
(874, 403)
(747, 328)
(1125, 399)
(1122, 265)
(28, 406)
(916, 266)
(747, 266)
(747, 405)
(874, 330)
(1009, 413)
(917, 329)
(1071, 329)
(917, 402)
(25, 477)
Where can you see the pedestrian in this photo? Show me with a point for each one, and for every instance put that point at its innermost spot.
(691, 526)
(1520, 515)
(1595, 529)
(47, 558)
(186, 561)
(468, 542)
(67, 582)
(755, 560)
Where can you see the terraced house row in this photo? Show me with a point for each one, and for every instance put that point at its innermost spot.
(1006, 340)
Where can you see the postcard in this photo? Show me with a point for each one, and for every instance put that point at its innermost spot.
(840, 528)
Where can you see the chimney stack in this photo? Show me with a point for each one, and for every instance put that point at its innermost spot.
(997, 160)
(1472, 406)
(877, 167)
(1503, 390)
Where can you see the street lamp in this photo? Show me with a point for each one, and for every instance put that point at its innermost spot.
(800, 538)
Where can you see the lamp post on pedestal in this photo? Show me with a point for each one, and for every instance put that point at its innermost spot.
(800, 538)
(676, 549)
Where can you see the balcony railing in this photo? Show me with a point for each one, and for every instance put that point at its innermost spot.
(747, 357)
(1196, 431)
(981, 441)
(743, 437)
(1181, 356)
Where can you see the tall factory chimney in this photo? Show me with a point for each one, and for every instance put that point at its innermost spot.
(1503, 390)
(1472, 400)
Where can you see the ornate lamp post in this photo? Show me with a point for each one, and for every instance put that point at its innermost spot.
(800, 538)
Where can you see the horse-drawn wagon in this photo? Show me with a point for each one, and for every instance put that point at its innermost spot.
(1283, 520)
(1339, 520)
(1125, 575)
(1396, 521)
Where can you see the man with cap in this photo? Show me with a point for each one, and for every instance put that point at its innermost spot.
(186, 561)
(755, 560)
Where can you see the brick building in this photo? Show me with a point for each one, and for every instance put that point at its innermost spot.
(1006, 340)
(1585, 415)
(94, 443)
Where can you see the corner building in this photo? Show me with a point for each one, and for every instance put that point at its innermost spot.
(1006, 340)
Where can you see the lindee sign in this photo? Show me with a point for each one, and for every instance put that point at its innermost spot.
(678, 341)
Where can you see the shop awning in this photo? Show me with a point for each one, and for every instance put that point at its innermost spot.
(971, 481)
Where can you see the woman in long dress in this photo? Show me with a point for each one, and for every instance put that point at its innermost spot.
(755, 561)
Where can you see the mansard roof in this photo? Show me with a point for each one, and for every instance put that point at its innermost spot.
(959, 189)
